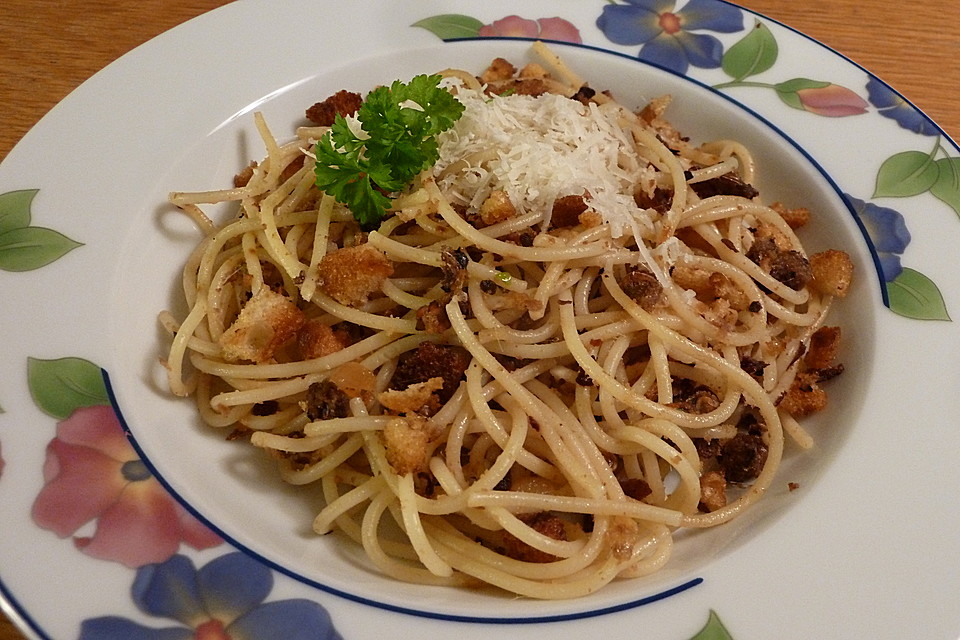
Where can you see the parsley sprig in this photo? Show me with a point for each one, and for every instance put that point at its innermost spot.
(401, 123)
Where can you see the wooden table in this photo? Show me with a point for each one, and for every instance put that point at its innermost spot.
(48, 47)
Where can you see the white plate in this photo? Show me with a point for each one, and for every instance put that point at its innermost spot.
(865, 547)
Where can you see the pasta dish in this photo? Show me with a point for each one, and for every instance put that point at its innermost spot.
(573, 334)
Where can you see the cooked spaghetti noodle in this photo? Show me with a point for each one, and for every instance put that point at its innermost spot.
(573, 336)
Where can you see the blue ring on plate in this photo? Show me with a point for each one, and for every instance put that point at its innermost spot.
(508, 620)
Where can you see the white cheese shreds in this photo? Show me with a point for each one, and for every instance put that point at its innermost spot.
(539, 149)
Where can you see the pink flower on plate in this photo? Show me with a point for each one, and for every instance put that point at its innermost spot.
(92, 473)
(544, 28)
(832, 101)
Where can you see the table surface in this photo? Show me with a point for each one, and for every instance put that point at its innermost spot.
(52, 46)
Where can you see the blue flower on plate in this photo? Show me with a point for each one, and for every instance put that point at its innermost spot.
(887, 232)
(889, 104)
(223, 600)
(666, 34)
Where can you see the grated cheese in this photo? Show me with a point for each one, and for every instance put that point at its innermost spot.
(539, 149)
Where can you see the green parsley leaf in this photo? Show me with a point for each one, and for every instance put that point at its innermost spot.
(401, 123)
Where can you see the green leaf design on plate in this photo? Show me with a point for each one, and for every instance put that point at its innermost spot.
(449, 26)
(914, 295)
(787, 91)
(28, 248)
(755, 53)
(60, 387)
(713, 630)
(947, 186)
(15, 209)
(905, 174)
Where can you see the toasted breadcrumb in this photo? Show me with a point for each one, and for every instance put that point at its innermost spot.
(498, 70)
(432, 317)
(832, 272)
(408, 442)
(351, 274)
(266, 322)
(590, 219)
(795, 218)
(412, 398)
(713, 491)
(315, 340)
(343, 103)
(805, 395)
(533, 70)
(497, 208)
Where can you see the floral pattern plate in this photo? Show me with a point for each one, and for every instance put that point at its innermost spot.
(121, 519)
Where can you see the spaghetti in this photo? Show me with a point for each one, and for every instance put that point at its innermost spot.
(574, 335)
